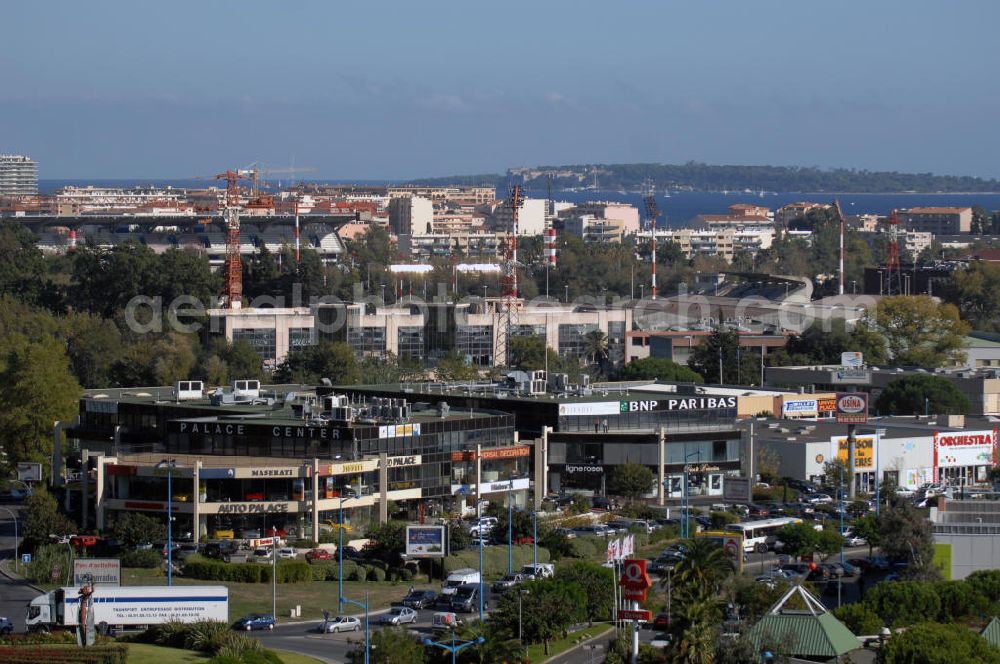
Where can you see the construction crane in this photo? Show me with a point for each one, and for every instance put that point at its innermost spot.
(840, 216)
(507, 311)
(652, 212)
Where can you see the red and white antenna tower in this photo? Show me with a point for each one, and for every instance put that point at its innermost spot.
(652, 212)
(233, 270)
(893, 271)
(507, 311)
(840, 215)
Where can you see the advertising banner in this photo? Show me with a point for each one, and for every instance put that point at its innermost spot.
(102, 571)
(864, 451)
(425, 541)
(954, 449)
(852, 408)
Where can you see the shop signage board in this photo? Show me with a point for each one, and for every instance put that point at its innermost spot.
(101, 571)
(851, 376)
(852, 408)
(425, 541)
(29, 471)
(954, 449)
(635, 614)
(583, 469)
(800, 407)
(736, 489)
(852, 359)
(864, 451)
(647, 405)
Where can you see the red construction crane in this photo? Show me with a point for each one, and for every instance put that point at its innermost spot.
(507, 311)
(893, 271)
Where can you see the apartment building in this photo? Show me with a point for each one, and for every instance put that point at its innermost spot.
(472, 245)
(530, 218)
(722, 243)
(411, 215)
(937, 220)
(717, 222)
(750, 210)
(793, 211)
(18, 175)
(595, 229)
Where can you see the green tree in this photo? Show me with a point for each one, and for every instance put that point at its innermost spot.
(36, 389)
(242, 361)
(934, 643)
(22, 266)
(902, 603)
(452, 366)
(327, 359)
(386, 542)
(695, 629)
(134, 528)
(829, 542)
(595, 347)
(703, 570)
(531, 354)
(390, 645)
(656, 368)
(907, 535)
(722, 348)
(917, 393)
(43, 518)
(93, 345)
(597, 583)
(547, 609)
(521, 525)
(631, 481)
(976, 292)
(920, 331)
(799, 539)
(868, 527)
(859, 618)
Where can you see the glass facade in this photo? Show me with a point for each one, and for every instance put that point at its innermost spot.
(616, 342)
(263, 341)
(475, 341)
(367, 340)
(410, 341)
(571, 339)
(300, 336)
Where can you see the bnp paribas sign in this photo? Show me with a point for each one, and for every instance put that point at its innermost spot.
(679, 403)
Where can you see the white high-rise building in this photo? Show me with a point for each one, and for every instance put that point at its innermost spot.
(18, 175)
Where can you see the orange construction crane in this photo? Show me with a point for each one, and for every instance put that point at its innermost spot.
(233, 293)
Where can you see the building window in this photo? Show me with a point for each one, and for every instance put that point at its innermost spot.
(299, 337)
(367, 340)
(411, 343)
(616, 342)
(571, 339)
(476, 342)
(262, 340)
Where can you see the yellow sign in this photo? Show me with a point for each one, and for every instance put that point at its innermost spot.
(864, 451)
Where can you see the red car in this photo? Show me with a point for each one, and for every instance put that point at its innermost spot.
(318, 554)
(661, 622)
(83, 540)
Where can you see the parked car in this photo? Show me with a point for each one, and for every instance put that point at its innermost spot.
(818, 499)
(183, 551)
(616, 526)
(287, 553)
(6, 626)
(255, 621)
(833, 570)
(600, 503)
(661, 622)
(801, 485)
(340, 624)
(262, 554)
(591, 531)
(398, 615)
(507, 582)
(758, 511)
(318, 555)
(223, 534)
(849, 569)
(850, 539)
(250, 533)
(466, 598)
(565, 532)
(661, 564)
(419, 599)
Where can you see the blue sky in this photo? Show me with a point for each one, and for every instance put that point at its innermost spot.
(372, 90)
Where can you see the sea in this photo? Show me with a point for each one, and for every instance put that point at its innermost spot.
(678, 207)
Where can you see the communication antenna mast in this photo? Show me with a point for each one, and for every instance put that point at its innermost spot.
(893, 271)
(233, 295)
(507, 310)
(652, 212)
(840, 215)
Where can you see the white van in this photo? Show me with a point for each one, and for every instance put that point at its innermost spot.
(458, 578)
(539, 571)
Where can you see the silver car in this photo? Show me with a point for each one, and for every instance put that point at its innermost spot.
(399, 615)
(340, 624)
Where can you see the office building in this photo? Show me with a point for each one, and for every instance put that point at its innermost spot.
(18, 175)
(936, 220)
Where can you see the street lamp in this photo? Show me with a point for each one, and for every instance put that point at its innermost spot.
(686, 524)
(274, 573)
(169, 464)
(670, 574)
(340, 544)
(340, 607)
(510, 524)
(455, 647)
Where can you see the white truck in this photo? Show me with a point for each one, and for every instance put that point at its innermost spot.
(129, 607)
(459, 577)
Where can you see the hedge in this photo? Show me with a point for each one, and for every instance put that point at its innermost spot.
(113, 653)
(142, 558)
(494, 559)
(288, 571)
(376, 574)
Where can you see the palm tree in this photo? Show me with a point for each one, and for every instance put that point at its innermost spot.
(496, 649)
(595, 346)
(704, 567)
(695, 630)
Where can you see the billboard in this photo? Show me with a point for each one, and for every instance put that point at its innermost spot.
(852, 359)
(736, 489)
(852, 407)
(29, 472)
(102, 571)
(955, 449)
(851, 376)
(800, 407)
(864, 451)
(425, 541)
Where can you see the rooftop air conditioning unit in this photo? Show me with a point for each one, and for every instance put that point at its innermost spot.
(188, 390)
(246, 388)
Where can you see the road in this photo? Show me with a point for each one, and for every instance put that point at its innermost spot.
(14, 595)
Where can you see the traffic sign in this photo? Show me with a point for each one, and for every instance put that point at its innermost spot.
(635, 614)
(634, 576)
(26, 558)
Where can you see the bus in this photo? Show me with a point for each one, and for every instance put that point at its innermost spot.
(759, 536)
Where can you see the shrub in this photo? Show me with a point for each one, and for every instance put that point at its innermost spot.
(406, 574)
(859, 618)
(350, 571)
(495, 559)
(376, 574)
(959, 599)
(293, 571)
(206, 636)
(721, 519)
(142, 559)
(359, 573)
(108, 653)
(321, 571)
(901, 603)
(289, 571)
(583, 547)
(987, 582)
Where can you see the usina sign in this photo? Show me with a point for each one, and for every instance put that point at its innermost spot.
(852, 408)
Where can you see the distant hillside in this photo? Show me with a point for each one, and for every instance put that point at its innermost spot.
(704, 177)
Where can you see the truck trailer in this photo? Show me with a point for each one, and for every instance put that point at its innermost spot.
(119, 608)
